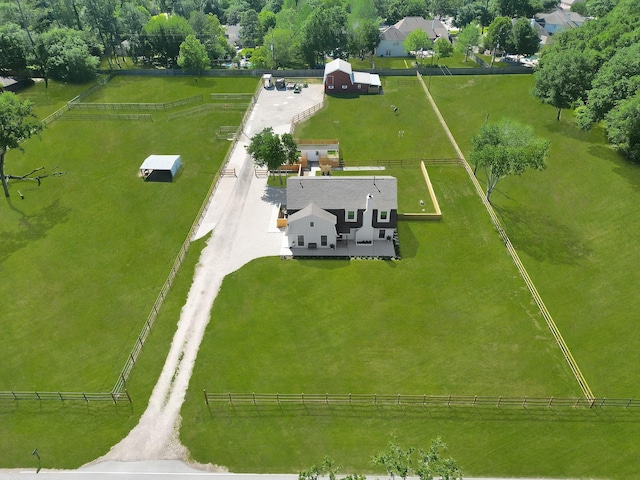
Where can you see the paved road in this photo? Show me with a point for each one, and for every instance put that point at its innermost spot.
(156, 470)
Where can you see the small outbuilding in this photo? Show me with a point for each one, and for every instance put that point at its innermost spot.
(160, 168)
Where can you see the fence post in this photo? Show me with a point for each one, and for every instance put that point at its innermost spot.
(628, 403)
(375, 399)
(113, 397)
(475, 397)
(126, 392)
(37, 395)
(230, 400)
(61, 398)
(499, 400)
(206, 400)
(398, 399)
(326, 398)
(449, 401)
(524, 403)
(85, 397)
(424, 399)
(254, 397)
(349, 399)
(550, 400)
(278, 398)
(302, 396)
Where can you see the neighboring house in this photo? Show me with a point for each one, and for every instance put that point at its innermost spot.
(340, 78)
(567, 4)
(392, 38)
(8, 84)
(329, 215)
(559, 20)
(320, 152)
(232, 33)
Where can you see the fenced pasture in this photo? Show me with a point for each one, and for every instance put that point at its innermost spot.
(412, 400)
(85, 255)
(452, 317)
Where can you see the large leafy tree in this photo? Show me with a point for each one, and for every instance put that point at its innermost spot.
(417, 41)
(498, 35)
(207, 29)
(17, 123)
(432, 464)
(366, 37)
(65, 54)
(193, 55)
(163, 35)
(251, 30)
(616, 80)
(325, 33)
(623, 127)
(467, 39)
(524, 38)
(395, 460)
(442, 48)
(272, 150)
(13, 49)
(505, 149)
(562, 78)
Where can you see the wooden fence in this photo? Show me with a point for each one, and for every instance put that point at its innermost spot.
(416, 400)
(135, 106)
(87, 397)
(306, 114)
(207, 107)
(403, 162)
(231, 97)
(144, 117)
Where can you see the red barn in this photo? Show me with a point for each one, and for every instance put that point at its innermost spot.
(339, 78)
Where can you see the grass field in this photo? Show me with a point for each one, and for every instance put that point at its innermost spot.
(83, 257)
(423, 324)
(452, 317)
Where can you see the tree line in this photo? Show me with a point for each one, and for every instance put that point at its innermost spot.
(595, 70)
(65, 39)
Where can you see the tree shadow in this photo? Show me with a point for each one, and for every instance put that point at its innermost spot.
(407, 241)
(31, 227)
(275, 195)
(541, 237)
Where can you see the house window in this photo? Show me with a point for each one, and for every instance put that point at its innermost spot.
(311, 224)
(359, 86)
(301, 240)
(351, 215)
(383, 215)
(330, 87)
(344, 87)
(323, 240)
(381, 234)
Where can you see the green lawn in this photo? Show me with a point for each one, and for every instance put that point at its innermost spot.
(452, 317)
(83, 258)
(573, 224)
(368, 128)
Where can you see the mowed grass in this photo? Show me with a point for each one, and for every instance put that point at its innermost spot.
(83, 258)
(574, 225)
(452, 317)
(368, 128)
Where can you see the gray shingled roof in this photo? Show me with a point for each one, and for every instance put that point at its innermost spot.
(336, 193)
(316, 211)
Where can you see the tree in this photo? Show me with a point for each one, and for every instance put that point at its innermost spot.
(431, 464)
(193, 56)
(498, 35)
(442, 48)
(562, 78)
(616, 80)
(507, 148)
(270, 150)
(395, 460)
(13, 49)
(623, 127)
(366, 37)
(162, 37)
(524, 38)
(467, 39)
(324, 33)
(207, 29)
(17, 123)
(66, 56)
(417, 41)
(250, 31)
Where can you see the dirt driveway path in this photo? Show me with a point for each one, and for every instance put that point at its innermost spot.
(242, 219)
